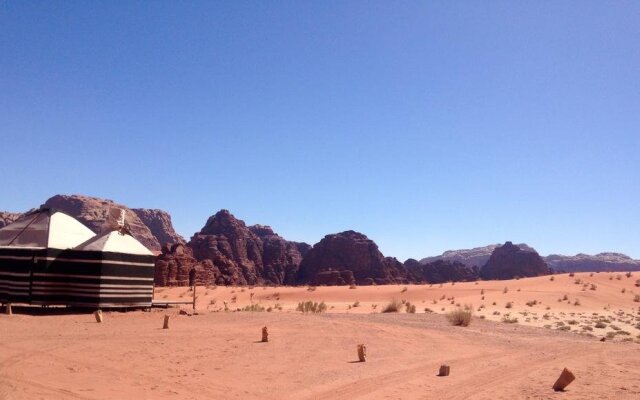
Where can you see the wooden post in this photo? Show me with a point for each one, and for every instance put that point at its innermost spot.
(444, 370)
(362, 353)
(98, 315)
(265, 334)
(166, 322)
(566, 377)
(7, 309)
(194, 297)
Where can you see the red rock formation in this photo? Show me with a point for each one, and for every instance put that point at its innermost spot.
(93, 212)
(597, 263)
(441, 271)
(7, 218)
(246, 255)
(159, 223)
(351, 251)
(176, 266)
(510, 261)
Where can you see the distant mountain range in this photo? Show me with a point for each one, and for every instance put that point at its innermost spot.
(479, 256)
(226, 251)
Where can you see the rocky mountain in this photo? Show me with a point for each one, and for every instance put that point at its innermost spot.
(477, 256)
(7, 218)
(352, 256)
(510, 261)
(160, 225)
(440, 271)
(176, 266)
(247, 255)
(152, 228)
(596, 263)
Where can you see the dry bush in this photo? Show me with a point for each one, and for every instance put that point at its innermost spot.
(393, 306)
(460, 317)
(532, 303)
(404, 289)
(636, 298)
(311, 307)
(357, 303)
(353, 287)
(553, 278)
(507, 319)
(253, 308)
(508, 305)
(311, 288)
(505, 290)
(410, 308)
(628, 274)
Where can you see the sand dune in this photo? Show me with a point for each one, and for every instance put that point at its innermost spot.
(217, 354)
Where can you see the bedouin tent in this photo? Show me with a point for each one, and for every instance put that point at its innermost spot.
(27, 245)
(50, 258)
(123, 266)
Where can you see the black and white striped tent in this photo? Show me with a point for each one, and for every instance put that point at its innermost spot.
(50, 258)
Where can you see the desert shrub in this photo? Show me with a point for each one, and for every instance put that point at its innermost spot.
(532, 303)
(505, 290)
(553, 278)
(572, 274)
(572, 322)
(577, 302)
(636, 298)
(357, 303)
(353, 287)
(428, 310)
(481, 291)
(311, 288)
(311, 307)
(508, 305)
(628, 274)
(638, 282)
(393, 306)
(507, 319)
(600, 325)
(253, 308)
(410, 308)
(460, 317)
(593, 286)
(565, 297)
(404, 289)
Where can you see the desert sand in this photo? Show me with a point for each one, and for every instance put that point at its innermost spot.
(218, 354)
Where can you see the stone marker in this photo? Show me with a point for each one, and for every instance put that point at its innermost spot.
(166, 322)
(444, 370)
(265, 334)
(98, 315)
(362, 353)
(566, 377)
(7, 309)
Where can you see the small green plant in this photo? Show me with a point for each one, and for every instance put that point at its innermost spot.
(253, 308)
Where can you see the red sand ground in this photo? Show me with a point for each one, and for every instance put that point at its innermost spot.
(218, 355)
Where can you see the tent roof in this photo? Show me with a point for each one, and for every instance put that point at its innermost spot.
(115, 242)
(45, 228)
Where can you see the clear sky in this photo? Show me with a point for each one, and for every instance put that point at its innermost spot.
(427, 126)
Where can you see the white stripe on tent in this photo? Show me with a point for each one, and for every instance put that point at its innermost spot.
(17, 283)
(96, 261)
(125, 278)
(15, 273)
(12, 287)
(16, 257)
(96, 295)
(15, 292)
(88, 290)
(89, 285)
(117, 305)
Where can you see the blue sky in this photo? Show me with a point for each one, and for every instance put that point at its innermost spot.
(426, 125)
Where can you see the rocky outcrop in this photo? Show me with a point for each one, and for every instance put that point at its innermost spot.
(351, 251)
(510, 261)
(159, 223)
(93, 212)
(477, 256)
(334, 278)
(7, 218)
(247, 255)
(598, 263)
(176, 266)
(440, 271)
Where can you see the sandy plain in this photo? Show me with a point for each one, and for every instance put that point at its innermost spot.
(217, 354)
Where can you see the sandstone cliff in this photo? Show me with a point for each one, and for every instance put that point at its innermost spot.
(510, 261)
(354, 252)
